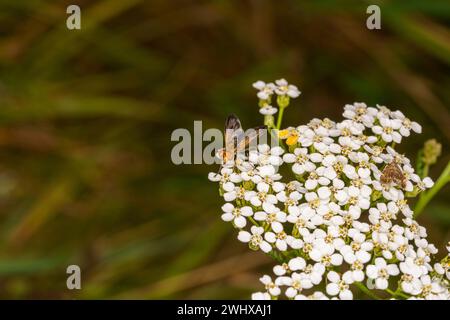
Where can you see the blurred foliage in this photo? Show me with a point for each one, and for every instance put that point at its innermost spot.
(86, 118)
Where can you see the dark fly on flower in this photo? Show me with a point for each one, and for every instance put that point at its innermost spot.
(236, 141)
(393, 173)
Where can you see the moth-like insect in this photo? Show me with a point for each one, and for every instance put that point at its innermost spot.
(393, 173)
(236, 141)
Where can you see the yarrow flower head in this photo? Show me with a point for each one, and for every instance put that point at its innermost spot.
(338, 219)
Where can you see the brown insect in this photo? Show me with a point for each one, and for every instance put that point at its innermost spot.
(393, 173)
(236, 141)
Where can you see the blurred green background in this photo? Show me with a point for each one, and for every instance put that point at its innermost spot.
(86, 118)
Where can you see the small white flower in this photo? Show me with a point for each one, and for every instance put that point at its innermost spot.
(255, 239)
(302, 220)
(295, 264)
(272, 215)
(382, 216)
(314, 272)
(413, 229)
(300, 161)
(407, 125)
(425, 183)
(380, 272)
(349, 143)
(265, 90)
(429, 287)
(214, 176)
(237, 215)
(357, 257)
(267, 158)
(233, 194)
(290, 200)
(359, 112)
(262, 197)
(336, 286)
(314, 179)
(268, 110)
(314, 205)
(278, 237)
(375, 153)
(271, 287)
(324, 252)
(334, 164)
(347, 128)
(296, 283)
(355, 197)
(309, 137)
(284, 88)
(388, 130)
(413, 267)
(363, 169)
(251, 175)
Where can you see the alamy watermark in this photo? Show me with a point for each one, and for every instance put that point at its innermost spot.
(213, 145)
(74, 279)
(73, 21)
(374, 20)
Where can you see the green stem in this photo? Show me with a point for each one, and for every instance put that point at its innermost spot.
(280, 118)
(425, 170)
(396, 293)
(275, 257)
(253, 221)
(427, 196)
(364, 289)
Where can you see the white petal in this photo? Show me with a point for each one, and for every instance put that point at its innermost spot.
(279, 270)
(281, 245)
(336, 259)
(372, 271)
(290, 292)
(348, 277)
(228, 186)
(240, 222)
(289, 158)
(332, 289)
(270, 236)
(227, 217)
(266, 247)
(297, 264)
(333, 276)
(381, 283)
(277, 227)
(324, 192)
(244, 236)
(227, 207)
(246, 211)
(310, 184)
(358, 275)
(346, 295)
(315, 254)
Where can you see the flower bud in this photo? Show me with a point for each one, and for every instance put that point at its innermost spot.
(431, 151)
(283, 101)
(248, 185)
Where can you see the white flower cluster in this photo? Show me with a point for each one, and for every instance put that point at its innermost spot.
(342, 219)
(266, 90)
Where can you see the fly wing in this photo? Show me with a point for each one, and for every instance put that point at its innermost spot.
(252, 135)
(233, 130)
